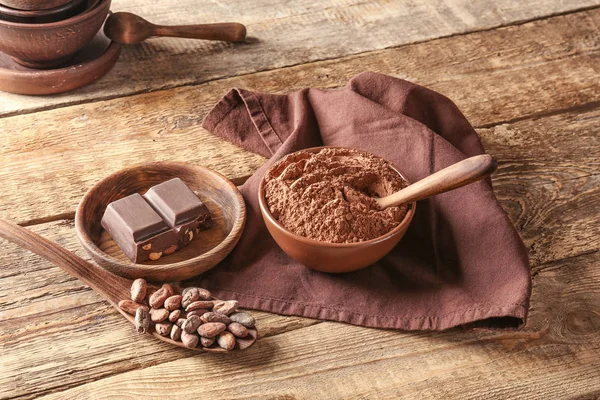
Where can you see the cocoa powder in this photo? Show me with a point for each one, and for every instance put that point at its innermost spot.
(329, 195)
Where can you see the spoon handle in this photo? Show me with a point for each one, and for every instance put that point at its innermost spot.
(227, 31)
(457, 175)
(108, 285)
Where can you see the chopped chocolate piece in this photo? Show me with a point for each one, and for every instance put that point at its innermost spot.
(165, 219)
(175, 202)
(130, 220)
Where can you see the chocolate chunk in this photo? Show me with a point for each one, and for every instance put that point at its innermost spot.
(158, 223)
(175, 202)
(131, 220)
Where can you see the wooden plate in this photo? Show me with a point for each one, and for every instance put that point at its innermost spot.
(220, 195)
(89, 64)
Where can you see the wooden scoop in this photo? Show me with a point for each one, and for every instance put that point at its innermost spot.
(457, 175)
(112, 287)
(128, 28)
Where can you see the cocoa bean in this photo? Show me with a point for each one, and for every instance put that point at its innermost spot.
(149, 292)
(243, 318)
(174, 315)
(169, 289)
(211, 329)
(199, 304)
(158, 298)
(142, 320)
(173, 302)
(191, 324)
(180, 322)
(163, 328)
(159, 315)
(130, 307)
(244, 343)
(176, 333)
(199, 312)
(226, 340)
(237, 329)
(207, 342)
(215, 317)
(225, 307)
(189, 339)
(187, 289)
(204, 294)
(190, 295)
(139, 287)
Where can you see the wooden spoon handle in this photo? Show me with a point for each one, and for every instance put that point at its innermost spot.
(457, 175)
(227, 31)
(108, 285)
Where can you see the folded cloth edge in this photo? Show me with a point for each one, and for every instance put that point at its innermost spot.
(445, 321)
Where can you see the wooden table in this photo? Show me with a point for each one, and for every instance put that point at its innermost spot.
(527, 76)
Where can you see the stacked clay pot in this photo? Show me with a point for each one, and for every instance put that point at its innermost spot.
(47, 33)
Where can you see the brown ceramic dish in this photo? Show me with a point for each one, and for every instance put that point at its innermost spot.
(34, 4)
(64, 11)
(88, 64)
(52, 44)
(332, 257)
(220, 195)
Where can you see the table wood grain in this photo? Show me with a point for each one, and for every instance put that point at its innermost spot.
(526, 74)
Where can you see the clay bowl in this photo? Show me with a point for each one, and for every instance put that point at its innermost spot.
(332, 257)
(88, 64)
(52, 44)
(64, 11)
(34, 4)
(220, 195)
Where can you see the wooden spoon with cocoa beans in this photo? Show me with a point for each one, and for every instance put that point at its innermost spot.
(111, 287)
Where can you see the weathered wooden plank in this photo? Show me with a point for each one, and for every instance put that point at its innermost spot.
(547, 184)
(556, 356)
(557, 220)
(284, 34)
(42, 307)
(493, 76)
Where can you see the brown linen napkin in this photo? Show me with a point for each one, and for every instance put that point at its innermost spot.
(461, 260)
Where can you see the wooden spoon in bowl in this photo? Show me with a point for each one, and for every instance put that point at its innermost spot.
(457, 175)
(128, 28)
(111, 287)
